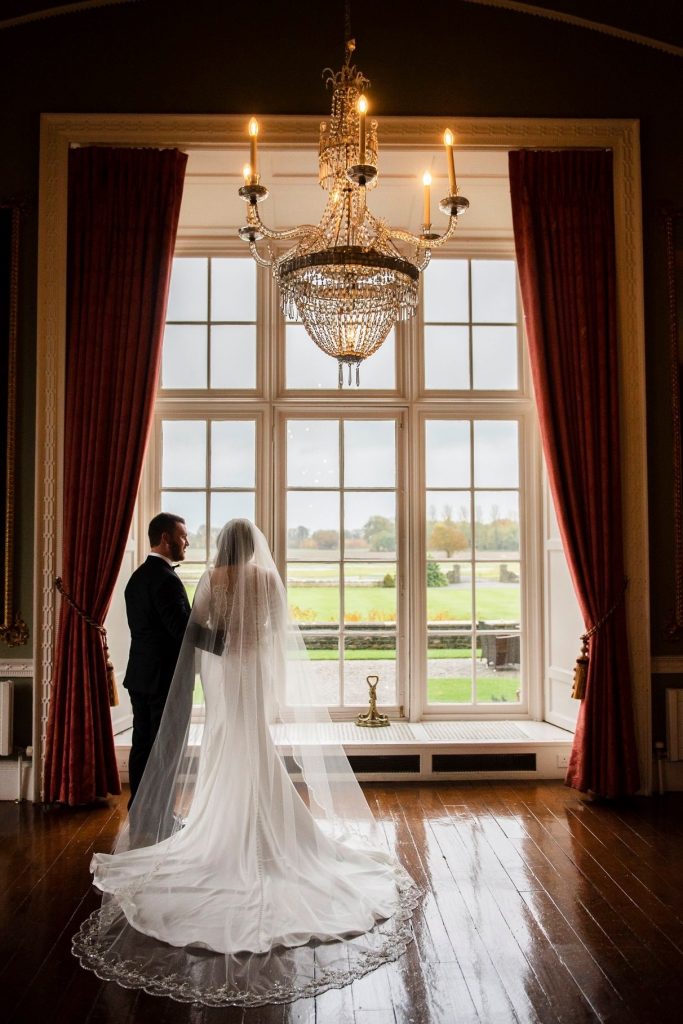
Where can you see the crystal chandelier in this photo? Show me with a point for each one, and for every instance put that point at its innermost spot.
(351, 277)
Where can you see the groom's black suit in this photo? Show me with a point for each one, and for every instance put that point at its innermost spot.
(158, 611)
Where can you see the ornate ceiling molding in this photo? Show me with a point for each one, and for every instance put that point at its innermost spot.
(587, 23)
(55, 12)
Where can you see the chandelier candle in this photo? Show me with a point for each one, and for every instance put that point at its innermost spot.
(362, 112)
(448, 142)
(350, 277)
(427, 220)
(253, 135)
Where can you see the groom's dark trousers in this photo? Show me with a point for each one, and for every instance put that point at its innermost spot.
(158, 611)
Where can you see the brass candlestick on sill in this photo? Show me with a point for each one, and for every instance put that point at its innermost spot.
(371, 719)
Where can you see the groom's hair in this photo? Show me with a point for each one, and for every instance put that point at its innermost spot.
(163, 523)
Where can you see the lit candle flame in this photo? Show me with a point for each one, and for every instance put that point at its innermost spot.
(426, 178)
(253, 127)
(246, 171)
(362, 105)
(448, 137)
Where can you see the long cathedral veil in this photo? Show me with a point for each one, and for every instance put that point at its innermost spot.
(251, 869)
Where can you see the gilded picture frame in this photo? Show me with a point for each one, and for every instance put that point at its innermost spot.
(13, 630)
(673, 232)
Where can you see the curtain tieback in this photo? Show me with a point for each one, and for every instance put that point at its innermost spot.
(583, 660)
(111, 677)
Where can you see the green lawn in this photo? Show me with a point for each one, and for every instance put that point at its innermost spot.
(459, 691)
(496, 603)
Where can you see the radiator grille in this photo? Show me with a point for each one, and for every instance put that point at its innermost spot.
(365, 764)
(484, 763)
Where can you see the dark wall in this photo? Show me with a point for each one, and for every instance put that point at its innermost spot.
(443, 58)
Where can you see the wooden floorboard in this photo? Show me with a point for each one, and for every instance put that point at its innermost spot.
(537, 907)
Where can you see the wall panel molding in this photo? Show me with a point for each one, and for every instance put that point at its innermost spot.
(16, 668)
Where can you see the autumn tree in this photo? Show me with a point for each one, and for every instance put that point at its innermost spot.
(448, 537)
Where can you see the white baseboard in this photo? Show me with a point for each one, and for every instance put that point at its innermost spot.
(11, 769)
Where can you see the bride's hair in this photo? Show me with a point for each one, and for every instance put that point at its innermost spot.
(235, 543)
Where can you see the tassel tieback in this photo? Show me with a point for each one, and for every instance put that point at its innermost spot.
(112, 688)
(583, 660)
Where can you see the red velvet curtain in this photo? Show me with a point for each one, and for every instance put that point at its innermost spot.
(123, 215)
(563, 214)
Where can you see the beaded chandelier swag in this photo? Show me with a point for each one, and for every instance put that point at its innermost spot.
(346, 278)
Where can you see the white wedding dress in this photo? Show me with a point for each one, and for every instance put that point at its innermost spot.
(247, 876)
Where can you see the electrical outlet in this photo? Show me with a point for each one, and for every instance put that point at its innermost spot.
(563, 760)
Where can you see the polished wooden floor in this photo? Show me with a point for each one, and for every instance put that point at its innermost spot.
(538, 907)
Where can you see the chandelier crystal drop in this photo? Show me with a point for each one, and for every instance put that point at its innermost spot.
(351, 277)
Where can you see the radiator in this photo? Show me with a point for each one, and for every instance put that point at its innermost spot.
(674, 724)
(6, 716)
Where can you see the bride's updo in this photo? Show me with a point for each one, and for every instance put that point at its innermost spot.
(235, 543)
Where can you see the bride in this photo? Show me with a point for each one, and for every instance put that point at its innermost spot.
(251, 870)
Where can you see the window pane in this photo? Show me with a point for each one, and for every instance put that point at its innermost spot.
(370, 594)
(449, 594)
(496, 526)
(445, 292)
(233, 356)
(191, 505)
(497, 667)
(322, 668)
(233, 289)
(307, 366)
(183, 358)
(313, 453)
(494, 299)
(187, 296)
(495, 453)
(314, 515)
(183, 460)
(497, 603)
(449, 667)
(370, 524)
(494, 358)
(447, 453)
(233, 453)
(448, 524)
(229, 505)
(313, 593)
(369, 453)
(372, 654)
(447, 358)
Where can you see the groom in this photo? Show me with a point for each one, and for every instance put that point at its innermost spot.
(158, 611)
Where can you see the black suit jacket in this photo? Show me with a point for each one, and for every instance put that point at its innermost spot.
(158, 611)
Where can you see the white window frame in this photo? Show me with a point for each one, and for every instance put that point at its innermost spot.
(271, 404)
